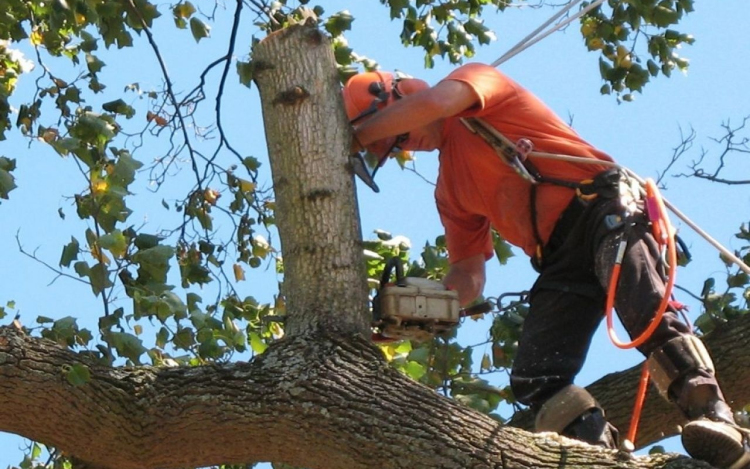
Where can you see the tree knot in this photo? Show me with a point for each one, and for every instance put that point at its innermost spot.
(292, 96)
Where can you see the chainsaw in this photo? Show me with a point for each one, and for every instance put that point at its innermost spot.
(415, 308)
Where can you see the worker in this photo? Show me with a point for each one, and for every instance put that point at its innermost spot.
(570, 221)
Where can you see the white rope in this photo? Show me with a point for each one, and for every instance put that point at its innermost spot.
(527, 42)
(580, 160)
(523, 41)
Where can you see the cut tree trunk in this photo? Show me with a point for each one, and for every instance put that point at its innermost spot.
(316, 207)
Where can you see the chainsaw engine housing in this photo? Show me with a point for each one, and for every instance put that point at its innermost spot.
(415, 309)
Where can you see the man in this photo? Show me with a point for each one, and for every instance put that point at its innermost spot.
(572, 240)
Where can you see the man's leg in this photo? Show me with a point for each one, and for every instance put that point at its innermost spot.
(552, 348)
(680, 365)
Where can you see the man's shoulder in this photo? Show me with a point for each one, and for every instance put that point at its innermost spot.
(476, 69)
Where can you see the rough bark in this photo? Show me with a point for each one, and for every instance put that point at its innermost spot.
(316, 206)
(312, 401)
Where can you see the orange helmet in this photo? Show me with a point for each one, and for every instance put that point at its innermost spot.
(366, 93)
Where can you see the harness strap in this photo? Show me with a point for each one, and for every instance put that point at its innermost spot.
(605, 184)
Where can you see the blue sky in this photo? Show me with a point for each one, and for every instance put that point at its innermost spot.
(640, 135)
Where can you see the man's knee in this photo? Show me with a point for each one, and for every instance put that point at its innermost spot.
(574, 413)
(534, 391)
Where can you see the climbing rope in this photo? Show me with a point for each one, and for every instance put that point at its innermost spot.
(665, 237)
(532, 38)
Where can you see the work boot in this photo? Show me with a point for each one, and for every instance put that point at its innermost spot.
(712, 435)
(717, 439)
(594, 429)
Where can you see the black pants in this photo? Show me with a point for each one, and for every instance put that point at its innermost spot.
(568, 299)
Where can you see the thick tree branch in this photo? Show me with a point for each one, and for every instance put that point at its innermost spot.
(316, 401)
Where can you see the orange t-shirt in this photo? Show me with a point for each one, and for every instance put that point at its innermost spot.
(476, 190)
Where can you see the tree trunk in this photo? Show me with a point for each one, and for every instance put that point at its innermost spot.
(308, 136)
(323, 397)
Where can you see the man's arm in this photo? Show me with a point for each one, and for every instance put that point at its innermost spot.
(445, 99)
(467, 277)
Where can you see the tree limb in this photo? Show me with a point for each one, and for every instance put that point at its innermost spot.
(312, 401)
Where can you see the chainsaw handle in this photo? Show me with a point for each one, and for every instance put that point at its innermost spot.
(479, 308)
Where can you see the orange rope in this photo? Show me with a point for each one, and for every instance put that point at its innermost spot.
(664, 234)
(640, 397)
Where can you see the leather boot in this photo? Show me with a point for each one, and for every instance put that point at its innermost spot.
(712, 435)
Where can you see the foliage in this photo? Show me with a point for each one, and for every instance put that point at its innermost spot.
(617, 33)
(733, 300)
(181, 305)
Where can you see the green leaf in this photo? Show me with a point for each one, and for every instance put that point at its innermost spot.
(107, 322)
(99, 276)
(162, 337)
(36, 451)
(252, 164)
(181, 12)
(174, 305)
(414, 370)
(739, 280)
(119, 107)
(127, 345)
(81, 268)
(93, 63)
(184, 338)
(115, 242)
(7, 181)
(124, 170)
(256, 343)
(199, 29)
(502, 248)
(78, 374)
(153, 262)
(63, 331)
(338, 23)
(245, 71)
(70, 252)
(145, 241)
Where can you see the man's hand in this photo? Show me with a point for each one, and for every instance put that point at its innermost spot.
(467, 277)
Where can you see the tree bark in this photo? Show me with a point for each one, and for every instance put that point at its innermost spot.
(325, 284)
(313, 401)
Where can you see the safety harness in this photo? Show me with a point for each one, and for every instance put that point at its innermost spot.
(607, 184)
(515, 155)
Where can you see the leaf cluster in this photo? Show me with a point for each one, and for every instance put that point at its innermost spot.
(733, 300)
(637, 41)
